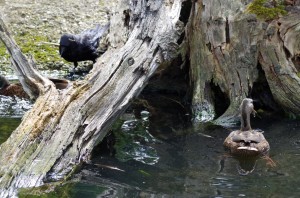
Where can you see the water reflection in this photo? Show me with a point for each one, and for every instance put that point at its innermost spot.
(189, 166)
(246, 165)
(184, 162)
(133, 139)
(7, 125)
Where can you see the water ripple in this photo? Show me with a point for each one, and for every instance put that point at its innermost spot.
(13, 106)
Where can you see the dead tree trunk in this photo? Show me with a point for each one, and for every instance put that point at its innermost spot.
(64, 126)
(227, 49)
(223, 48)
(279, 57)
(230, 48)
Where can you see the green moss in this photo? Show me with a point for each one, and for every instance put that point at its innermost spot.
(265, 13)
(3, 52)
(34, 44)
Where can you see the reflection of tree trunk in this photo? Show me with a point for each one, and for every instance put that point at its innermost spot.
(64, 126)
(223, 46)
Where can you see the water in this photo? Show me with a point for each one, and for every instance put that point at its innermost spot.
(159, 156)
(13, 106)
(7, 125)
(189, 164)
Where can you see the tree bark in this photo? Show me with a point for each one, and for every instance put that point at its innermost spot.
(227, 46)
(223, 51)
(64, 126)
(279, 57)
(224, 46)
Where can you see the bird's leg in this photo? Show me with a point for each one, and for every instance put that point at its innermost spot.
(72, 72)
(75, 65)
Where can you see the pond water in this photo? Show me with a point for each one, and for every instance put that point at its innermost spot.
(190, 165)
(167, 157)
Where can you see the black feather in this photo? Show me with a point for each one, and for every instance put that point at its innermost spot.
(83, 46)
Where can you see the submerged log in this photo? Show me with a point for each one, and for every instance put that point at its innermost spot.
(64, 125)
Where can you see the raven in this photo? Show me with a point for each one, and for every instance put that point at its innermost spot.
(83, 46)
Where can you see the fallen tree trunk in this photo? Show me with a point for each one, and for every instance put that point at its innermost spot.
(64, 126)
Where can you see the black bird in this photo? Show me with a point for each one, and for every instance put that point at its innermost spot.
(83, 46)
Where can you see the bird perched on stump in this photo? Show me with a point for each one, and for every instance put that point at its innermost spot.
(83, 46)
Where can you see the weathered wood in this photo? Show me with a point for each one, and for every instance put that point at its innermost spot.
(225, 44)
(64, 126)
(279, 57)
(32, 82)
(223, 48)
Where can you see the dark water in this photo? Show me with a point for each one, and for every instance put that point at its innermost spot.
(189, 165)
(7, 125)
(183, 161)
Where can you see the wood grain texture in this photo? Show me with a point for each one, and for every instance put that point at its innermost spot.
(64, 126)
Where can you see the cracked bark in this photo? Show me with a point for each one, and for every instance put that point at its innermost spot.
(232, 36)
(281, 72)
(226, 44)
(63, 126)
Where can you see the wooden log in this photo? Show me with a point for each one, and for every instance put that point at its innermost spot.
(64, 126)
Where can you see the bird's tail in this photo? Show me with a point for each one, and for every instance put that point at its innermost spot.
(100, 32)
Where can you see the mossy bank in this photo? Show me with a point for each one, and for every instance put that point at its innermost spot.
(36, 24)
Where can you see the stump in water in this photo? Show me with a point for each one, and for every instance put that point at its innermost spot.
(231, 50)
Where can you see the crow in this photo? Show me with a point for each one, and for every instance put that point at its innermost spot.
(83, 46)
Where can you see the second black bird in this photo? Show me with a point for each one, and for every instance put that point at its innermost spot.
(83, 46)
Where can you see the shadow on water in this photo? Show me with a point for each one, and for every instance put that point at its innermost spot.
(189, 165)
